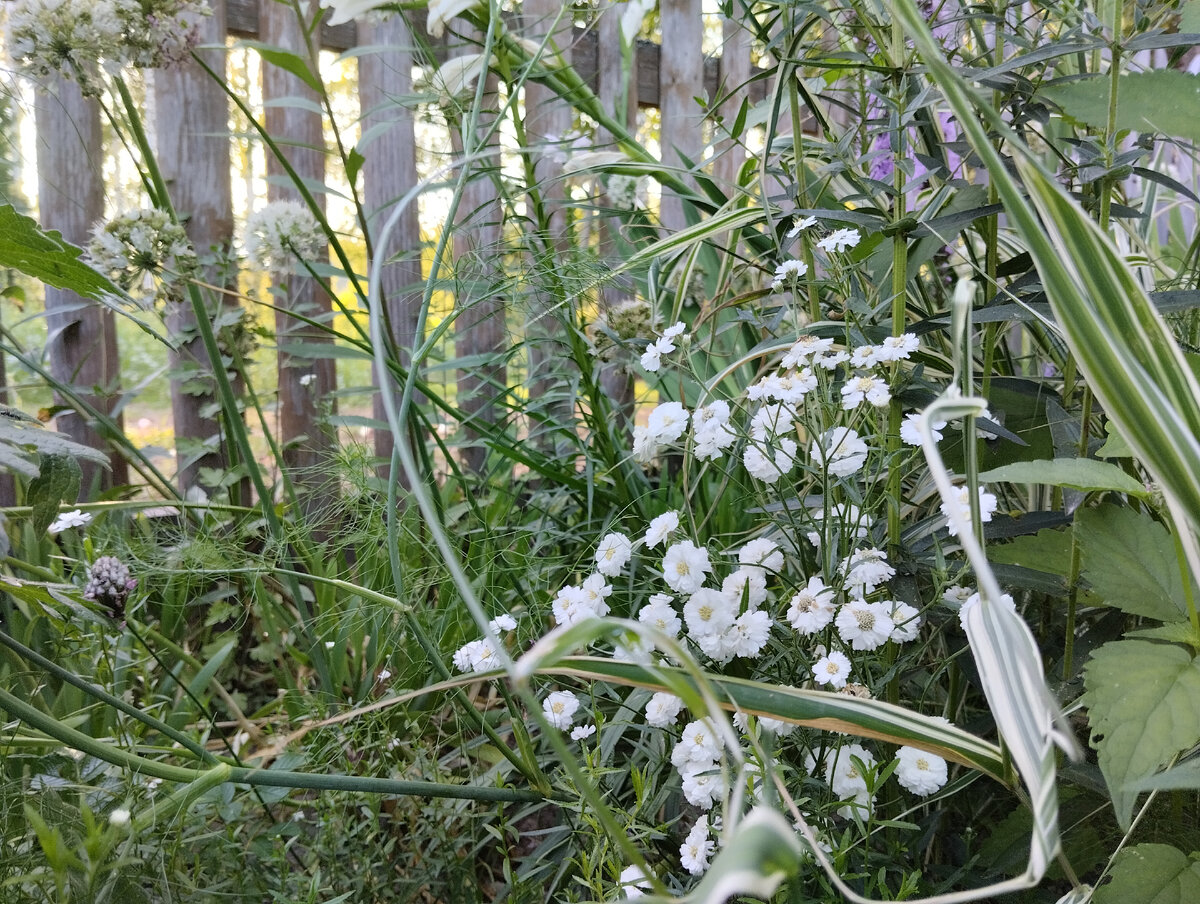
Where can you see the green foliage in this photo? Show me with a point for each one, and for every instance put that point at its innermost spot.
(1152, 874)
(44, 256)
(1079, 473)
(1159, 101)
(57, 482)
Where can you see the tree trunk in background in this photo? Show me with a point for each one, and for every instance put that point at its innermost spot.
(681, 79)
(192, 133)
(618, 93)
(735, 73)
(305, 435)
(480, 329)
(82, 337)
(548, 120)
(390, 170)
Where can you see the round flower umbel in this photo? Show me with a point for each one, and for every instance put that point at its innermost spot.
(109, 584)
(280, 233)
(143, 249)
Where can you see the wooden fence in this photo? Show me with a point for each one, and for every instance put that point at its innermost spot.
(192, 140)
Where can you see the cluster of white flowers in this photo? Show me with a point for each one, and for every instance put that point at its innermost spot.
(987, 507)
(73, 37)
(664, 345)
(843, 768)
(840, 240)
(697, 757)
(280, 232)
(697, 848)
(576, 603)
(480, 655)
(622, 191)
(143, 250)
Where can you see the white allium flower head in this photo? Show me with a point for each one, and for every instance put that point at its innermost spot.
(612, 554)
(839, 240)
(685, 565)
(863, 625)
(280, 232)
(919, 771)
(663, 709)
(832, 669)
(560, 708)
(987, 506)
(841, 451)
(812, 608)
(661, 528)
(67, 520)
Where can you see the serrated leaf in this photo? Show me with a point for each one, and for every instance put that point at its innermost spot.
(1176, 632)
(57, 482)
(47, 257)
(1143, 701)
(1152, 874)
(1160, 100)
(1130, 561)
(1078, 473)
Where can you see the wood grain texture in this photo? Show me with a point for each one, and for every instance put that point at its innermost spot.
(681, 70)
(81, 344)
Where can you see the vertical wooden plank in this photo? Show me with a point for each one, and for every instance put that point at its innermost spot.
(618, 92)
(548, 121)
(735, 73)
(82, 337)
(680, 79)
(306, 384)
(390, 170)
(480, 329)
(192, 126)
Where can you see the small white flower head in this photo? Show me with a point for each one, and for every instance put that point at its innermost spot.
(119, 817)
(832, 669)
(829, 360)
(685, 565)
(560, 708)
(987, 506)
(804, 350)
(955, 596)
(772, 420)
(140, 249)
(476, 656)
(696, 849)
(841, 451)
(910, 431)
(580, 732)
(661, 528)
(746, 585)
(709, 612)
(571, 605)
(652, 358)
(307, 380)
(660, 614)
(906, 620)
(865, 570)
(634, 883)
(839, 240)
(792, 269)
(761, 554)
(919, 771)
(812, 609)
(776, 727)
(845, 776)
(67, 520)
(700, 743)
(711, 432)
(800, 224)
(675, 330)
(502, 623)
(703, 784)
(767, 467)
(865, 626)
(663, 709)
(280, 232)
(612, 554)
(864, 356)
(974, 600)
(865, 388)
(667, 422)
(896, 348)
(749, 634)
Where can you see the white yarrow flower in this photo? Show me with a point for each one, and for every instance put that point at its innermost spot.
(896, 348)
(841, 451)
(696, 849)
(580, 732)
(661, 528)
(685, 565)
(863, 625)
(919, 771)
(788, 270)
(560, 708)
(987, 506)
(67, 520)
(612, 554)
(865, 388)
(910, 431)
(832, 669)
(799, 225)
(812, 609)
(663, 709)
(839, 240)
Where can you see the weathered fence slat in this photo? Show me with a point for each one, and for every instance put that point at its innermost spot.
(681, 70)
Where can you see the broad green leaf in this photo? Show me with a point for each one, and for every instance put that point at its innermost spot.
(1152, 874)
(1176, 632)
(1160, 100)
(1079, 473)
(1114, 444)
(57, 482)
(1130, 561)
(1189, 17)
(354, 164)
(287, 61)
(1048, 550)
(46, 257)
(1143, 702)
